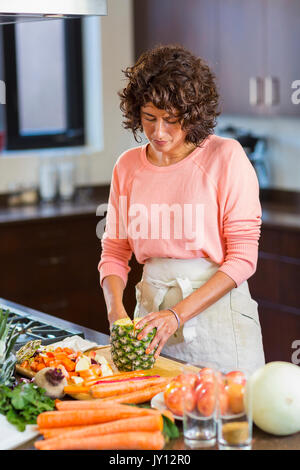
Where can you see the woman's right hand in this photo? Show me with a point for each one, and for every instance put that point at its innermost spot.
(116, 314)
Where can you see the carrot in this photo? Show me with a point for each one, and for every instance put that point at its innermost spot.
(109, 390)
(74, 389)
(139, 396)
(137, 424)
(120, 441)
(69, 365)
(124, 375)
(54, 432)
(57, 419)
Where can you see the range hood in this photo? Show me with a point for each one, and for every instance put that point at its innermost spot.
(15, 11)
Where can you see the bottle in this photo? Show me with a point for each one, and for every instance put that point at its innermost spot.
(48, 181)
(66, 175)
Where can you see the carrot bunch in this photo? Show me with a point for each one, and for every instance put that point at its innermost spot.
(96, 425)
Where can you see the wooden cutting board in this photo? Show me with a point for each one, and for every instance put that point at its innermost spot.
(163, 367)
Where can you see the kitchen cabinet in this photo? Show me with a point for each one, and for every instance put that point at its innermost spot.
(252, 47)
(192, 25)
(282, 46)
(241, 56)
(275, 287)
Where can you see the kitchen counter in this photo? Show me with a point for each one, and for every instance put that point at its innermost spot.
(261, 440)
(274, 214)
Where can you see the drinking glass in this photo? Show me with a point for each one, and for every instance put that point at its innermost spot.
(199, 406)
(234, 428)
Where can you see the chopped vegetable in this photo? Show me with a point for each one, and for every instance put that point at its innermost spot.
(28, 350)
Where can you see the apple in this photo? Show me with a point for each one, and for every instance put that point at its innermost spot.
(178, 395)
(205, 394)
(206, 375)
(235, 394)
(187, 379)
(223, 399)
(83, 364)
(236, 376)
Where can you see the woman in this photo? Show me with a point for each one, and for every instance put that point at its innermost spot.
(204, 191)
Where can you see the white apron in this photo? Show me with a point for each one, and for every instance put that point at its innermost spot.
(227, 333)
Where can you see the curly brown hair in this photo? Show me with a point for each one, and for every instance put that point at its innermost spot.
(175, 80)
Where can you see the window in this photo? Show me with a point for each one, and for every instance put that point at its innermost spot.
(44, 84)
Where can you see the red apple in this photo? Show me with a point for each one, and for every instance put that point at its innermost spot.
(206, 398)
(205, 375)
(223, 399)
(236, 376)
(178, 396)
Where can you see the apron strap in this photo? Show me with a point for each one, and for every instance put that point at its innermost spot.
(186, 286)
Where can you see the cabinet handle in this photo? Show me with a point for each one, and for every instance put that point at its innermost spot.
(256, 91)
(272, 91)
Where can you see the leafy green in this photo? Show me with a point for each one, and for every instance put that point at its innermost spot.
(23, 404)
(170, 430)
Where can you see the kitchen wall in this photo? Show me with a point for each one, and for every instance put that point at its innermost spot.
(283, 153)
(94, 162)
(106, 137)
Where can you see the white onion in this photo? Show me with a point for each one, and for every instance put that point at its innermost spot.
(275, 390)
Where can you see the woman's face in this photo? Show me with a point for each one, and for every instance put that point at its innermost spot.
(163, 130)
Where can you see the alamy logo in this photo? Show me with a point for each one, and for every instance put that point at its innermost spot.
(296, 354)
(2, 92)
(153, 222)
(296, 94)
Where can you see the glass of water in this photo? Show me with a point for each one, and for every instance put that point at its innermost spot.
(199, 406)
(234, 411)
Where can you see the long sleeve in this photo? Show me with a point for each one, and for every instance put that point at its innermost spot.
(239, 199)
(116, 251)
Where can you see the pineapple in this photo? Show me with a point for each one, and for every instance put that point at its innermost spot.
(8, 338)
(127, 352)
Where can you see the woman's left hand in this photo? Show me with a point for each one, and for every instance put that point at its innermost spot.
(166, 325)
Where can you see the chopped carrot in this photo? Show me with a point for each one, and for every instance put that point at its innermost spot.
(40, 367)
(88, 373)
(68, 350)
(69, 365)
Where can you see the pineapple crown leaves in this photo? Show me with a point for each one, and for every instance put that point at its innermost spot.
(8, 337)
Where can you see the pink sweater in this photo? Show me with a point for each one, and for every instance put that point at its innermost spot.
(206, 205)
